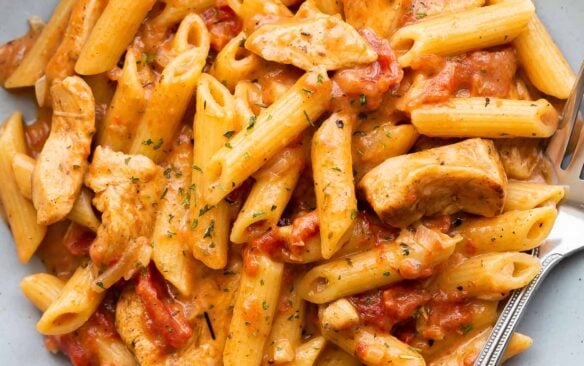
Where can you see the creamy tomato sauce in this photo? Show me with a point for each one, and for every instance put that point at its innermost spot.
(479, 73)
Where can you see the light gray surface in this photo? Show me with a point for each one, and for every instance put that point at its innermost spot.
(555, 319)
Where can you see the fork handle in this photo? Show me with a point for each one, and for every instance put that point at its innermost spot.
(492, 352)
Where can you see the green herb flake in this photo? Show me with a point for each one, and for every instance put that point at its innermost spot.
(228, 134)
(251, 122)
(209, 230)
(362, 99)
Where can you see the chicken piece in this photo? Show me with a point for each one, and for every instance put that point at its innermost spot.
(58, 175)
(127, 190)
(380, 15)
(467, 176)
(307, 42)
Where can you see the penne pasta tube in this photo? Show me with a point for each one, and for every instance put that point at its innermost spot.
(517, 230)
(543, 62)
(470, 348)
(286, 334)
(234, 63)
(332, 169)
(111, 35)
(82, 20)
(21, 214)
(308, 352)
(334, 356)
(256, 304)
(213, 126)
(113, 352)
(525, 195)
(82, 211)
(23, 166)
(273, 188)
(487, 118)
(175, 88)
(247, 9)
(463, 31)
(248, 99)
(372, 148)
(42, 289)
(75, 304)
(373, 347)
(490, 276)
(172, 233)
(380, 266)
(127, 106)
(33, 64)
(276, 127)
(175, 10)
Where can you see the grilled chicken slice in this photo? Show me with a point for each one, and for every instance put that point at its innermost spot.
(127, 190)
(467, 176)
(308, 42)
(58, 175)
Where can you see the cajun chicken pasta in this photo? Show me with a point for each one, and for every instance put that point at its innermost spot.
(280, 182)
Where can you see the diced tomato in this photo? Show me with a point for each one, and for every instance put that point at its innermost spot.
(167, 320)
(223, 24)
(373, 80)
(71, 347)
(78, 239)
(479, 73)
(385, 308)
(37, 133)
(446, 312)
(303, 228)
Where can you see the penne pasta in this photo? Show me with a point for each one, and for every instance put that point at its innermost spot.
(525, 195)
(277, 126)
(272, 190)
(380, 266)
(463, 31)
(487, 118)
(172, 230)
(542, 61)
(373, 347)
(34, 63)
(213, 126)
(490, 276)
(308, 352)
(282, 346)
(470, 348)
(234, 63)
(332, 168)
(334, 356)
(42, 289)
(175, 87)
(517, 230)
(62, 64)
(127, 106)
(75, 304)
(21, 214)
(112, 34)
(254, 311)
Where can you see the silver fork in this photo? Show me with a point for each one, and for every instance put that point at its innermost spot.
(566, 152)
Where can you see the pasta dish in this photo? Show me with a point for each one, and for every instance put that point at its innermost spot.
(280, 182)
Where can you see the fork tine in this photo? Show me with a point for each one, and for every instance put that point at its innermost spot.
(565, 140)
